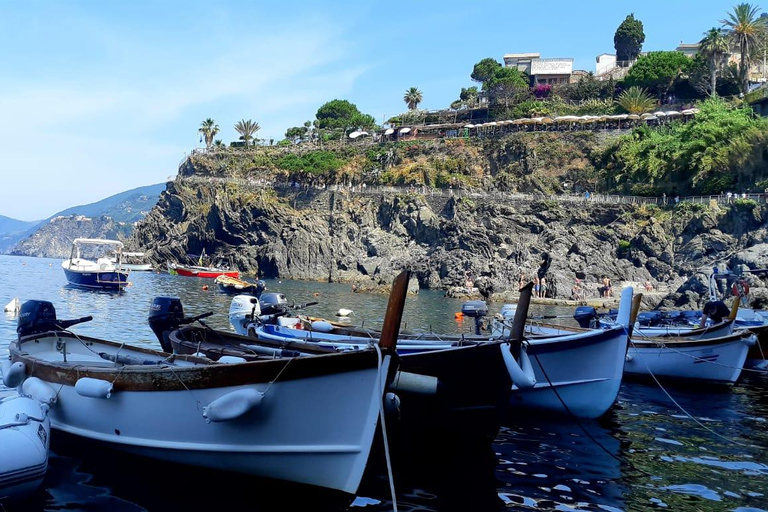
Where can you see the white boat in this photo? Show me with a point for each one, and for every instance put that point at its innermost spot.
(713, 359)
(309, 420)
(90, 266)
(135, 262)
(24, 439)
(577, 371)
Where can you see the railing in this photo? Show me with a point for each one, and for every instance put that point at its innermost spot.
(495, 195)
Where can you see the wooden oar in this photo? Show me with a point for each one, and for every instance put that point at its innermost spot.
(517, 331)
(391, 328)
(633, 313)
(735, 309)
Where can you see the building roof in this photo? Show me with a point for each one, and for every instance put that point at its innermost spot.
(522, 55)
(687, 46)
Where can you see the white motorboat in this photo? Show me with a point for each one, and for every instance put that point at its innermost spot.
(309, 420)
(89, 265)
(24, 439)
(135, 262)
(712, 359)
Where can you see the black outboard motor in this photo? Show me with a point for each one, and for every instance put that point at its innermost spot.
(476, 309)
(165, 315)
(586, 316)
(273, 304)
(649, 318)
(38, 316)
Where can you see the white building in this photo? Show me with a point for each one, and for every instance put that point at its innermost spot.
(541, 71)
(605, 63)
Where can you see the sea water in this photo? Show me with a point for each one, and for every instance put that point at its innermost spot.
(677, 448)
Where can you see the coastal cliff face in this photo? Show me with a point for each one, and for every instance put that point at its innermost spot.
(367, 238)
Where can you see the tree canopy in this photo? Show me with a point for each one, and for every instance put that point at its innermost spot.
(658, 71)
(629, 38)
(341, 114)
(412, 98)
(745, 29)
(485, 70)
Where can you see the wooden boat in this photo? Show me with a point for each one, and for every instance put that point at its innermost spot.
(24, 438)
(99, 273)
(581, 368)
(710, 359)
(234, 285)
(200, 271)
(309, 420)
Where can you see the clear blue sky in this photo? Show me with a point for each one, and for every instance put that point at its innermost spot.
(100, 97)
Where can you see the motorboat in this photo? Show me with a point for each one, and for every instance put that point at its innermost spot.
(576, 370)
(90, 266)
(24, 438)
(136, 262)
(709, 359)
(309, 420)
(228, 284)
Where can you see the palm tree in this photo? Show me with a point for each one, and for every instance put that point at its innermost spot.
(412, 98)
(714, 46)
(247, 129)
(636, 100)
(745, 30)
(209, 129)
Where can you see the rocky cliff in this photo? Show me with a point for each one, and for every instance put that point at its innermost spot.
(367, 238)
(54, 238)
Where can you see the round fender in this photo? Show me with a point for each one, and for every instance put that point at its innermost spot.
(521, 373)
(232, 405)
(13, 374)
(93, 388)
(39, 390)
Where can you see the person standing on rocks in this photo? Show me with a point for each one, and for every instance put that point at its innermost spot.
(536, 285)
(543, 288)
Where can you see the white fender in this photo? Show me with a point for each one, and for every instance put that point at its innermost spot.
(93, 388)
(321, 326)
(13, 373)
(414, 383)
(231, 359)
(521, 374)
(232, 405)
(39, 390)
(750, 341)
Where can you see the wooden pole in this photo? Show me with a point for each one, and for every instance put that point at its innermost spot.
(394, 314)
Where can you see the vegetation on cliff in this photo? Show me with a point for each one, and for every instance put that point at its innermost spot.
(724, 148)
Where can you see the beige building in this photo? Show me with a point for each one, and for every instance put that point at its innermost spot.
(541, 71)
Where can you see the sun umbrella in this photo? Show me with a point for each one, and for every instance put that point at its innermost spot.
(389, 131)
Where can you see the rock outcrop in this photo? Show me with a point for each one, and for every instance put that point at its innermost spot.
(366, 239)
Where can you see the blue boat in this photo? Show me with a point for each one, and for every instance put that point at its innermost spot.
(90, 264)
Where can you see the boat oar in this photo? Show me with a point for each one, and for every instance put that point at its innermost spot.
(518, 323)
(391, 328)
(633, 313)
(735, 309)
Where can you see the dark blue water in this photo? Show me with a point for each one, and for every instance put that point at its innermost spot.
(646, 454)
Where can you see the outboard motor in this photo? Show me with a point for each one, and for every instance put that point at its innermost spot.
(649, 318)
(165, 315)
(37, 316)
(273, 304)
(243, 309)
(476, 309)
(586, 316)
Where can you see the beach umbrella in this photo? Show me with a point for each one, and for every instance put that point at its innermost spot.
(660, 114)
(672, 113)
(354, 135)
(404, 130)
(389, 131)
(633, 117)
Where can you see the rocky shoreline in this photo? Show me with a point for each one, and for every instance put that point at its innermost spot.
(324, 235)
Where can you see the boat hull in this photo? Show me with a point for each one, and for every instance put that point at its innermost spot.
(578, 374)
(203, 272)
(467, 373)
(314, 424)
(98, 280)
(717, 360)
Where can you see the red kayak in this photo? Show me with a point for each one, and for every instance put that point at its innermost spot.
(195, 271)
